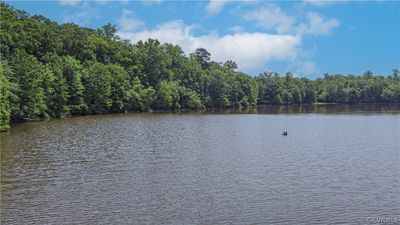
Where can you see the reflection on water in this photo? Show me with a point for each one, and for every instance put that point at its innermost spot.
(205, 168)
(322, 108)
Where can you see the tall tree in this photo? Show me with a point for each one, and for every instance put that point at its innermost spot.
(72, 72)
(57, 87)
(5, 92)
(55, 70)
(29, 74)
(155, 63)
(97, 82)
(202, 56)
(120, 87)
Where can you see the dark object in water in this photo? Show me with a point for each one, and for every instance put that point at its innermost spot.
(284, 133)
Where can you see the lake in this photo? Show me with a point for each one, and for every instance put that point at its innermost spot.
(339, 164)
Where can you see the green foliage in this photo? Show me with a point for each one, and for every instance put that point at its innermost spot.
(154, 62)
(30, 75)
(391, 92)
(5, 110)
(51, 70)
(56, 86)
(189, 99)
(230, 65)
(275, 89)
(167, 96)
(202, 56)
(218, 91)
(72, 72)
(97, 82)
(139, 97)
(119, 87)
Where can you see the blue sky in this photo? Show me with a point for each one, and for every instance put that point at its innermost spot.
(308, 38)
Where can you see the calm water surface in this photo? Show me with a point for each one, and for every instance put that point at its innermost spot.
(337, 165)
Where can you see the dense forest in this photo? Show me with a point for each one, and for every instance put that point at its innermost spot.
(50, 70)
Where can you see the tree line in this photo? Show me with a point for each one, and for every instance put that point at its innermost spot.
(50, 70)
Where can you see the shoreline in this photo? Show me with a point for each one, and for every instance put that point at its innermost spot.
(258, 109)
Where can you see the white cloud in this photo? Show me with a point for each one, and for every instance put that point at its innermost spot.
(237, 29)
(321, 3)
(251, 51)
(151, 2)
(128, 22)
(69, 2)
(215, 6)
(305, 68)
(280, 39)
(270, 17)
(317, 25)
(83, 17)
(101, 2)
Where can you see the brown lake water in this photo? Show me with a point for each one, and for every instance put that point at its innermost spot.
(338, 165)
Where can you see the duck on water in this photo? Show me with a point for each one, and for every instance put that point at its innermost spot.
(284, 133)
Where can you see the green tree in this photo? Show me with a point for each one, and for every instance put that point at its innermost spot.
(109, 31)
(5, 91)
(202, 56)
(120, 86)
(29, 74)
(72, 72)
(231, 65)
(139, 97)
(155, 63)
(218, 92)
(44, 76)
(57, 88)
(97, 82)
(189, 99)
(167, 96)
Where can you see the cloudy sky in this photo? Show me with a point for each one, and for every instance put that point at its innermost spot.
(308, 38)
